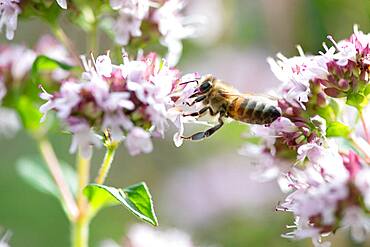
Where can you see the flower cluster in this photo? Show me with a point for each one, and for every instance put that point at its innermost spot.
(164, 17)
(15, 67)
(12, 73)
(328, 194)
(329, 182)
(132, 101)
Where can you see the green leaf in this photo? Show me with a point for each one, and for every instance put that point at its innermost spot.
(336, 129)
(357, 100)
(29, 113)
(367, 90)
(36, 174)
(136, 199)
(46, 64)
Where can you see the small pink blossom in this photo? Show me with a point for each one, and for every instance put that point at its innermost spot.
(9, 11)
(138, 141)
(125, 27)
(83, 138)
(103, 65)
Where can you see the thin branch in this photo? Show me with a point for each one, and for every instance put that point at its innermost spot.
(105, 167)
(83, 171)
(364, 126)
(54, 167)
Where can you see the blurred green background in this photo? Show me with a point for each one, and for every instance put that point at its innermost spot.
(202, 188)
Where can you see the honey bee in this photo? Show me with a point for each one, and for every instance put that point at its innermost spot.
(220, 98)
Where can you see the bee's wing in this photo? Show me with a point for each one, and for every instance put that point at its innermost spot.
(251, 95)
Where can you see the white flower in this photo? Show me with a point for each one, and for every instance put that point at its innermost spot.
(9, 11)
(266, 167)
(362, 181)
(69, 98)
(358, 222)
(137, 141)
(117, 122)
(296, 72)
(347, 51)
(2, 88)
(18, 59)
(83, 138)
(109, 243)
(145, 236)
(62, 3)
(50, 47)
(103, 65)
(172, 25)
(46, 107)
(117, 100)
(4, 241)
(9, 122)
(136, 8)
(312, 151)
(125, 27)
(318, 190)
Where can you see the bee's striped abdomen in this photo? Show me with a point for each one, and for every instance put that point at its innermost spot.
(253, 110)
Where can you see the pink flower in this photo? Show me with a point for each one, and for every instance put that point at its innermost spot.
(103, 65)
(135, 8)
(122, 100)
(359, 223)
(83, 137)
(172, 25)
(145, 236)
(138, 141)
(17, 59)
(125, 27)
(362, 181)
(9, 11)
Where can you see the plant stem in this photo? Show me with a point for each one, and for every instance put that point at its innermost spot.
(80, 231)
(54, 167)
(80, 227)
(93, 39)
(61, 35)
(364, 126)
(108, 158)
(83, 171)
(361, 147)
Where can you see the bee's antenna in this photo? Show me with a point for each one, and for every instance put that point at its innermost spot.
(186, 82)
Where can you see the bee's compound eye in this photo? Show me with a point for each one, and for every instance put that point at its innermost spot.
(205, 86)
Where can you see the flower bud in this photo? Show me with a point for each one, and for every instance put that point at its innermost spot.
(343, 84)
(333, 92)
(321, 99)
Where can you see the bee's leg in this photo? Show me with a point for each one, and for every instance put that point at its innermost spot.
(201, 135)
(199, 113)
(198, 99)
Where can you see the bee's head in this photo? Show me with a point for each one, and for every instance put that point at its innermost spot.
(205, 84)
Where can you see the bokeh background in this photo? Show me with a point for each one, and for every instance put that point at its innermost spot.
(206, 188)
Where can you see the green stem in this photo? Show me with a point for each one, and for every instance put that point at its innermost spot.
(83, 171)
(80, 227)
(93, 39)
(105, 167)
(63, 38)
(80, 232)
